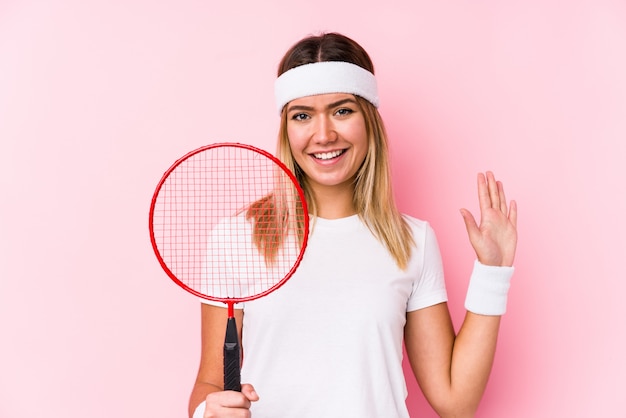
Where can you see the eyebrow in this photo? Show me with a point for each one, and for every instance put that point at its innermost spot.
(329, 106)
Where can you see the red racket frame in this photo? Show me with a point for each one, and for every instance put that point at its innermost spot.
(229, 301)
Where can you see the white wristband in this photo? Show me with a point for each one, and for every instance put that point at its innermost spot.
(199, 412)
(488, 289)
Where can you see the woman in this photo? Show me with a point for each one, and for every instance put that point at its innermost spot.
(370, 277)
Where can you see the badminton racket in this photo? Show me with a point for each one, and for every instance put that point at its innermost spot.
(229, 223)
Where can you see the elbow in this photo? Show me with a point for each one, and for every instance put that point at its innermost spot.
(458, 414)
(449, 408)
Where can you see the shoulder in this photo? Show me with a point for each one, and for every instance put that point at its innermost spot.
(424, 237)
(411, 220)
(419, 227)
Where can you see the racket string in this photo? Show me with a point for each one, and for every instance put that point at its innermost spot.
(209, 232)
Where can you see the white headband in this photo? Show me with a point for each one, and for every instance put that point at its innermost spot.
(322, 78)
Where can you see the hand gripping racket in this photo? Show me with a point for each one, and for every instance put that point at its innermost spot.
(229, 223)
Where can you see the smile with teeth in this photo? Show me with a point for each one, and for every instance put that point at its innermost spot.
(328, 155)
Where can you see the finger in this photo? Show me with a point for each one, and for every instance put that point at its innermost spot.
(230, 399)
(248, 391)
(484, 200)
(470, 224)
(502, 197)
(493, 190)
(513, 213)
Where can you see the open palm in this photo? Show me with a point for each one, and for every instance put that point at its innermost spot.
(495, 239)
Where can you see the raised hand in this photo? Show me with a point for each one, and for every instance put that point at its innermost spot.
(495, 239)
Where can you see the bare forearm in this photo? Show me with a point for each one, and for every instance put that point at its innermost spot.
(472, 359)
(452, 370)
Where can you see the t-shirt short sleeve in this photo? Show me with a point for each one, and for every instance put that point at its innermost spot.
(429, 286)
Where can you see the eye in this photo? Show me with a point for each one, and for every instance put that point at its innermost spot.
(344, 111)
(299, 116)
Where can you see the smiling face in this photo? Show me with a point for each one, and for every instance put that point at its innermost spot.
(328, 139)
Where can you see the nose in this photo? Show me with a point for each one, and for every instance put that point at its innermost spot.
(324, 130)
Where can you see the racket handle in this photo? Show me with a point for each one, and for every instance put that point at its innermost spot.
(232, 357)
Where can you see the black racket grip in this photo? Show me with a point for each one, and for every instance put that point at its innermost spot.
(232, 357)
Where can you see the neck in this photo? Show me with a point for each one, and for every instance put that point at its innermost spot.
(334, 203)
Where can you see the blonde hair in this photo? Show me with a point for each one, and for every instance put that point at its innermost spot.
(276, 216)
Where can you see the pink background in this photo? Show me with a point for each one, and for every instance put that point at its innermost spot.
(98, 98)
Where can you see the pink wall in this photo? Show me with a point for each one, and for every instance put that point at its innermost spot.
(98, 98)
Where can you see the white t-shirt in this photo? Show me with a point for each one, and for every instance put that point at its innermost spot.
(328, 343)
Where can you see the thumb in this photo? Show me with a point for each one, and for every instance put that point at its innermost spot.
(248, 391)
(470, 224)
